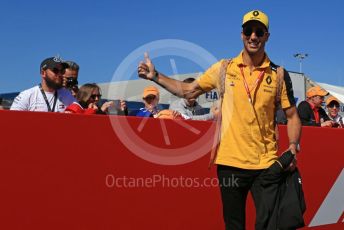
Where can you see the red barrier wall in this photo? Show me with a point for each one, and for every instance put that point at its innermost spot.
(65, 171)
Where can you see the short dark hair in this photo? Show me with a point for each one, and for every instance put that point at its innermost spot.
(189, 80)
(73, 65)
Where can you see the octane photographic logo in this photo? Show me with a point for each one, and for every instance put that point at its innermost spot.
(129, 135)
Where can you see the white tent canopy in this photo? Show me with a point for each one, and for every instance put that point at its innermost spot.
(335, 91)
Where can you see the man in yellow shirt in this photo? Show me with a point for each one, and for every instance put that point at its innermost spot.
(253, 88)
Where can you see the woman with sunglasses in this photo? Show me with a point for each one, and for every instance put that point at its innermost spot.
(333, 106)
(88, 97)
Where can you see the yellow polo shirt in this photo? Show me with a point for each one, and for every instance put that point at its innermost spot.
(247, 134)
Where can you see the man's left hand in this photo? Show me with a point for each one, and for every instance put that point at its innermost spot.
(294, 150)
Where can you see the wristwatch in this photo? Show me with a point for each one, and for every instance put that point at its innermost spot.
(155, 77)
(297, 144)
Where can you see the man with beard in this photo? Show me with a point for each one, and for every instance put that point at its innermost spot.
(251, 88)
(49, 95)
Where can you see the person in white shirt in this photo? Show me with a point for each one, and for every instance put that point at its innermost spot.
(332, 105)
(49, 95)
(190, 109)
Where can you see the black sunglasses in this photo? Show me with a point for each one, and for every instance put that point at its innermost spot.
(57, 70)
(321, 97)
(248, 32)
(150, 97)
(333, 104)
(94, 96)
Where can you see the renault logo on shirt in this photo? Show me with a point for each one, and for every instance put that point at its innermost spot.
(268, 80)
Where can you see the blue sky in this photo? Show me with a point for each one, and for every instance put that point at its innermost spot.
(99, 35)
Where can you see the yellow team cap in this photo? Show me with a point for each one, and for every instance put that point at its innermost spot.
(256, 15)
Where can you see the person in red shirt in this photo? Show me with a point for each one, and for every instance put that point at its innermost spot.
(310, 111)
(88, 97)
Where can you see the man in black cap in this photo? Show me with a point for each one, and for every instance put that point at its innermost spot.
(49, 95)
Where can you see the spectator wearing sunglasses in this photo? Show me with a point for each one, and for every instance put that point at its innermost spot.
(88, 98)
(70, 77)
(310, 111)
(151, 96)
(49, 95)
(247, 87)
(333, 105)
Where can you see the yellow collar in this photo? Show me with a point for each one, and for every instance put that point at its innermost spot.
(239, 61)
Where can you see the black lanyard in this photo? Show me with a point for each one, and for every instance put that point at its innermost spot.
(46, 99)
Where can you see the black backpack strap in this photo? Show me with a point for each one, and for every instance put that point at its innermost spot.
(280, 81)
(279, 87)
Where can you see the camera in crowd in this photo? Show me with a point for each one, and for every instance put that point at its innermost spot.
(335, 125)
(71, 82)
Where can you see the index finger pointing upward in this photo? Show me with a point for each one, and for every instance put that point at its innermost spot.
(147, 59)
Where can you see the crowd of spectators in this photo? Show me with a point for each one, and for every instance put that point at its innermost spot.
(58, 91)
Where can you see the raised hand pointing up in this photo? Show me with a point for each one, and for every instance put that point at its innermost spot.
(146, 69)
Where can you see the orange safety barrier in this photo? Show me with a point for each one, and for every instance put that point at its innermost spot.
(66, 171)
